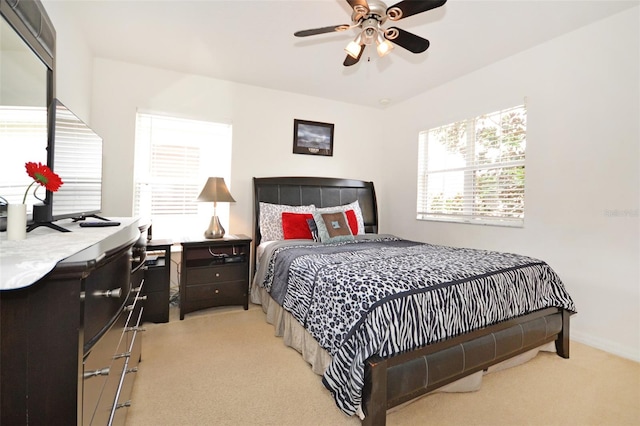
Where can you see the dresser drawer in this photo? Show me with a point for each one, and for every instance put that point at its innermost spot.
(104, 295)
(223, 293)
(101, 373)
(217, 274)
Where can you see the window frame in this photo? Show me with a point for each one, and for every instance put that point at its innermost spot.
(473, 211)
(186, 218)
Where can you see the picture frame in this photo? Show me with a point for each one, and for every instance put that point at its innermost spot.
(312, 137)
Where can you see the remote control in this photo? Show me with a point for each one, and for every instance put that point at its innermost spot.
(98, 224)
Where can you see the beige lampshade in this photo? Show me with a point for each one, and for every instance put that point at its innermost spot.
(215, 190)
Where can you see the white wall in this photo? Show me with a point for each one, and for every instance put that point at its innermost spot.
(74, 60)
(262, 123)
(582, 179)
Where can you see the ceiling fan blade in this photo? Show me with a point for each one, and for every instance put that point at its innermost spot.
(350, 60)
(407, 40)
(412, 7)
(356, 5)
(323, 30)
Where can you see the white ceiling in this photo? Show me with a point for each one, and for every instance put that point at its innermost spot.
(252, 42)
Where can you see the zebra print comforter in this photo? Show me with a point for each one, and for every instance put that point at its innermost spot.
(385, 296)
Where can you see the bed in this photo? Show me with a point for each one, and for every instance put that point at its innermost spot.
(396, 338)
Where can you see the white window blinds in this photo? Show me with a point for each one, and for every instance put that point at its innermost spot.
(24, 131)
(174, 158)
(473, 171)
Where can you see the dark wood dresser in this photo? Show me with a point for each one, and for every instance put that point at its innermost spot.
(214, 273)
(70, 342)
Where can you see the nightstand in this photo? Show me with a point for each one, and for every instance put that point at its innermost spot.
(214, 273)
(157, 278)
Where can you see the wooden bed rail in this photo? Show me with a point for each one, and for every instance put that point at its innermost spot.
(401, 378)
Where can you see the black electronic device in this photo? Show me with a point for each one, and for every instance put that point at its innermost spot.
(100, 224)
(74, 154)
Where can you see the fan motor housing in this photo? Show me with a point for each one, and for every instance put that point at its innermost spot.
(377, 11)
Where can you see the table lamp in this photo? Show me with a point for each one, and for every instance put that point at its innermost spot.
(215, 190)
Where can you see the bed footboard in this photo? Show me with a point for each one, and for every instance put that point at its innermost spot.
(401, 378)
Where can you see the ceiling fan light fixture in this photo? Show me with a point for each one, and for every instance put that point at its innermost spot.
(354, 47)
(384, 46)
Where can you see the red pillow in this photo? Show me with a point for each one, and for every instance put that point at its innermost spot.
(295, 226)
(352, 221)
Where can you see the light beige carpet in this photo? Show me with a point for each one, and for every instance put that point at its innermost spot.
(224, 366)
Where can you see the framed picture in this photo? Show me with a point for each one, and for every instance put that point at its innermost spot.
(312, 137)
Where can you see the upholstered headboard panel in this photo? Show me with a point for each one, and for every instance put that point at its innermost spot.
(321, 191)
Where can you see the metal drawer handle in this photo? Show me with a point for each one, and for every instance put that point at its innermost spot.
(217, 274)
(132, 370)
(128, 329)
(122, 355)
(217, 291)
(115, 293)
(124, 404)
(141, 297)
(95, 373)
(129, 308)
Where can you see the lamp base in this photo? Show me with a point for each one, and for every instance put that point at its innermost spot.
(215, 229)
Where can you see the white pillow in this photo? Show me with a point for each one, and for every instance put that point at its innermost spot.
(355, 206)
(271, 219)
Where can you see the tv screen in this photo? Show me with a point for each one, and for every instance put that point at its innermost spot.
(75, 154)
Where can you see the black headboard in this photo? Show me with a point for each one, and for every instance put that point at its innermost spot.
(321, 191)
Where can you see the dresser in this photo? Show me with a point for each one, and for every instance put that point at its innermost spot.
(214, 273)
(70, 342)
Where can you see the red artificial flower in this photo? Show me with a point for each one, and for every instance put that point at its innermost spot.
(42, 175)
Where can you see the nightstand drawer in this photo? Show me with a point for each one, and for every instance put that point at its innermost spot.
(218, 274)
(224, 293)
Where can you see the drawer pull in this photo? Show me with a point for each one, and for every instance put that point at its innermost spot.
(115, 293)
(128, 329)
(217, 275)
(129, 308)
(96, 373)
(136, 290)
(132, 370)
(141, 297)
(122, 355)
(124, 404)
(217, 291)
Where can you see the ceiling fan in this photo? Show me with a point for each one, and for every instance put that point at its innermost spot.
(369, 16)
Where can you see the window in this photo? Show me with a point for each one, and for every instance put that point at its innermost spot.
(23, 131)
(173, 159)
(472, 171)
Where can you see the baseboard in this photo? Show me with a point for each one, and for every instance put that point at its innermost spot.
(606, 345)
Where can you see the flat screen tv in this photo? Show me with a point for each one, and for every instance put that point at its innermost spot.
(75, 154)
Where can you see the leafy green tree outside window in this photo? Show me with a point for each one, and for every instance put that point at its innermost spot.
(473, 170)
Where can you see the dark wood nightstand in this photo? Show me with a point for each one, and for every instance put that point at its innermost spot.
(214, 273)
(157, 278)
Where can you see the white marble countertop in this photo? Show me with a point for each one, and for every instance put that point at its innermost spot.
(24, 262)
